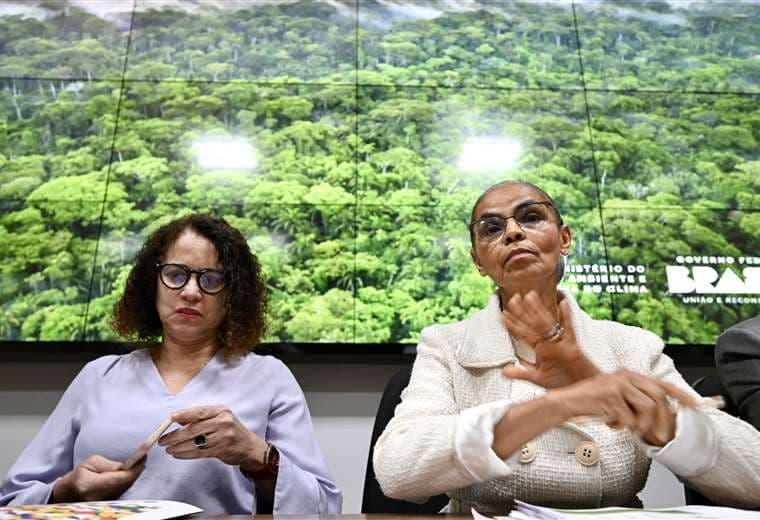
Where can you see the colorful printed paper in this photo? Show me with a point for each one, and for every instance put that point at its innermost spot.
(106, 510)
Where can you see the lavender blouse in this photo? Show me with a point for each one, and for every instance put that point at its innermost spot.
(116, 402)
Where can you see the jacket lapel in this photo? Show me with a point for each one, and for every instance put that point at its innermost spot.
(486, 342)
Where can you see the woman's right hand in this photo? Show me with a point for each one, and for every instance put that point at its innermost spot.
(95, 478)
(625, 400)
(559, 362)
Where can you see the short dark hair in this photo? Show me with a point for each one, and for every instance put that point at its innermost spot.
(508, 183)
(560, 272)
(245, 295)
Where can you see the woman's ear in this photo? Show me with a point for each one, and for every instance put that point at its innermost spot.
(475, 260)
(566, 237)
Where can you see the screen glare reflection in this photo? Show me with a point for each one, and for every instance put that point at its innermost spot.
(228, 154)
(483, 155)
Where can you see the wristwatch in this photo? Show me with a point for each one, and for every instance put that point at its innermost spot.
(271, 465)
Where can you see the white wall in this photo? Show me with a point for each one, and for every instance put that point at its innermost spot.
(343, 399)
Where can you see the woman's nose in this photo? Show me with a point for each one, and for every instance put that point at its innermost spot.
(192, 290)
(513, 231)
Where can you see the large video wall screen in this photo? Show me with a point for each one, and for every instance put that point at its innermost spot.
(348, 140)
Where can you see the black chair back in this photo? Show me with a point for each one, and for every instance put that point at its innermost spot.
(373, 499)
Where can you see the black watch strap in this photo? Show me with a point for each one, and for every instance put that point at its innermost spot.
(271, 465)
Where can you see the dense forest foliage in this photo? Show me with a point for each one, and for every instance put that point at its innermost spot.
(640, 118)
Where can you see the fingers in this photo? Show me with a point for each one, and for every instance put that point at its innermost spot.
(564, 308)
(617, 412)
(196, 420)
(187, 449)
(187, 433)
(679, 395)
(518, 372)
(222, 435)
(657, 415)
(642, 410)
(653, 417)
(661, 430)
(135, 470)
(96, 478)
(527, 317)
(114, 484)
(565, 318)
(655, 420)
(663, 427)
(660, 389)
(99, 464)
(622, 399)
(197, 413)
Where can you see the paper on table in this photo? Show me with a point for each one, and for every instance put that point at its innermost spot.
(145, 446)
(113, 509)
(525, 511)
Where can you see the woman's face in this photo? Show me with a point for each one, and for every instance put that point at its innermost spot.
(189, 315)
(521, 258)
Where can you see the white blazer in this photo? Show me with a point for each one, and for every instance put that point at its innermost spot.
(575, 465)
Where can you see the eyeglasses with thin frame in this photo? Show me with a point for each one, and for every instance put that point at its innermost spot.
(176, 276)
(529, 216)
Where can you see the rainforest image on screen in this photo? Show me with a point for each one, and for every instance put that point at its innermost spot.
(349, 139)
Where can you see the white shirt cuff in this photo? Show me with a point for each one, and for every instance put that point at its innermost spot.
(473, 441)
(694, 448)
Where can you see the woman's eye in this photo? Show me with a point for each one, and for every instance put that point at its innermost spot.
(492, 229)
(176, 276)
(532, 217)
(212, 280)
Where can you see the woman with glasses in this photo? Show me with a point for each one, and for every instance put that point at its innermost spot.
(532, 399)
(241, 438)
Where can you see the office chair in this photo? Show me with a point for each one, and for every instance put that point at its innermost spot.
(373, 499)
(708, 385)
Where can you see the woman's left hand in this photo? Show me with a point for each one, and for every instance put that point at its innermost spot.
(625, 400)
(225, 438)
(559, 361)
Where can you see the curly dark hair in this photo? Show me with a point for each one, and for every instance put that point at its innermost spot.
(245, 295)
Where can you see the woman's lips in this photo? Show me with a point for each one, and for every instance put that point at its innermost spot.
(518, 255)
(188, 312)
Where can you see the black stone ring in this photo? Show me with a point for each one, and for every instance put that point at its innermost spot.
(200, 441)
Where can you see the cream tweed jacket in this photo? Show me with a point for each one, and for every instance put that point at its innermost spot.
(458, 367)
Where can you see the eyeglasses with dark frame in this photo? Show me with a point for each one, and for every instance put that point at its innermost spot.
(528, 215)
(176, 276)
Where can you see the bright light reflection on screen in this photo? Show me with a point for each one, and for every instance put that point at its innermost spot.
(488, 154)
(224, 154)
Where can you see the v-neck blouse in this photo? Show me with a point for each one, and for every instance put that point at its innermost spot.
(116, 402)
(152, 375)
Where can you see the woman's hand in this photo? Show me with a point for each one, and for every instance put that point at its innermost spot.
(559, 361)
(95, 478)
(625, 400)
(225, 438)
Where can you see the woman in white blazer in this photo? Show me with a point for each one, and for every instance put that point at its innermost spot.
(532, 399)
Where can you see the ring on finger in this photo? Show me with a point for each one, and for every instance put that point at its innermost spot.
(201, 441)
(555, 333)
